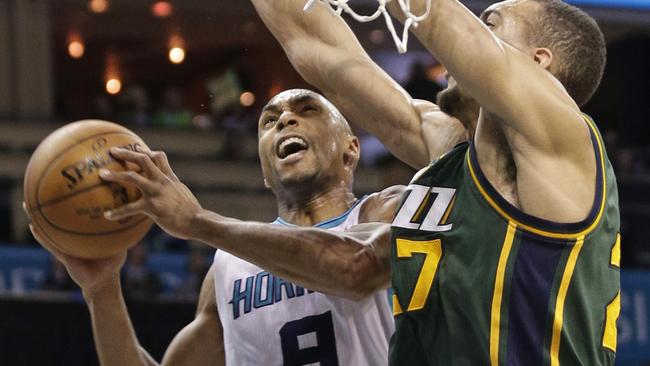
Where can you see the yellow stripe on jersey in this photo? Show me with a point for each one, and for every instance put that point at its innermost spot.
(423, 204)
(613, 311)
(546, 233)
(443, 221)
(561, 299)
(397, 308)
(497, 297)
(615, 259)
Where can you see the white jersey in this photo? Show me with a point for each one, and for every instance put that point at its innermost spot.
(269, 321)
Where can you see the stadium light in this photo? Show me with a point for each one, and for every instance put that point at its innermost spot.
(177, 55)
(162, 9)
(247, 99)
(98, 6)
(113, 86)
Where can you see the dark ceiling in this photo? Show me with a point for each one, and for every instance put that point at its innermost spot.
(219, 34)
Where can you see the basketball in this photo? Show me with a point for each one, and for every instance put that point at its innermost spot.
(66, 198)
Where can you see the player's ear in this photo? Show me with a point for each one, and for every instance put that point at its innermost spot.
(352, 153)
(544, 57)
(266, 184)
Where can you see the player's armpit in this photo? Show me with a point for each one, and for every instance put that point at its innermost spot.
(201, 341)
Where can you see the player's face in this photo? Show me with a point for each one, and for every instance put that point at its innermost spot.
(510, 21)
(301, 140)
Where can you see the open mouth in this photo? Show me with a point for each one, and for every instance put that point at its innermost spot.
(291, 145)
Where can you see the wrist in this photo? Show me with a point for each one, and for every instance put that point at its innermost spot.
(196, 227)
(107, 287)
(204, 226)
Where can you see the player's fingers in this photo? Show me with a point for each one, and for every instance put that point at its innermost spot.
(126, 210)
(128, 177)
(140, 158)
(160, 159)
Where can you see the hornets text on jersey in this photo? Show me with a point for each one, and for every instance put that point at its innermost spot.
(267, 320)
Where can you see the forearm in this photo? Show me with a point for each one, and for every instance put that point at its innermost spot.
(115, 339)
(326, 53)
(459, 40)
(324, 261)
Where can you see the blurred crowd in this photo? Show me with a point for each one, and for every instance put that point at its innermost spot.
(620, 108)
(141, 281)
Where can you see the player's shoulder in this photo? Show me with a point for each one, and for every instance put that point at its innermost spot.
(380, 206)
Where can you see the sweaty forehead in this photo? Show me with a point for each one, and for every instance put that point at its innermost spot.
(289, 97)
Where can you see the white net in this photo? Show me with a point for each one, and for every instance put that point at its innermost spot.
(412, 20)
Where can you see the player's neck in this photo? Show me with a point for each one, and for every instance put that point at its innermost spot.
(495, 158)
(317, 207)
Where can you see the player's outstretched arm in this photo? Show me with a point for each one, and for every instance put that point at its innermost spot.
(199, 343)
(323, 49)
(506, 82)
(350, 264)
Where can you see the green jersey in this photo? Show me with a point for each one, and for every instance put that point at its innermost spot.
(478, 282)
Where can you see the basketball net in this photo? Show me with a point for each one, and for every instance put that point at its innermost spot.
(412, 20)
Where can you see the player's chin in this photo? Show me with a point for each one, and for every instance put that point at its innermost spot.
(450, 100)
(297, 176)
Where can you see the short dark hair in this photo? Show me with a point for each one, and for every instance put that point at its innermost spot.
(576, 41)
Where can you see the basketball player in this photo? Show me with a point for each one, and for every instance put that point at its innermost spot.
(246, 315)
(506, 250)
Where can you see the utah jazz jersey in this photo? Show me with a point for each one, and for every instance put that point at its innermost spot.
(267, 320)
(478, 282)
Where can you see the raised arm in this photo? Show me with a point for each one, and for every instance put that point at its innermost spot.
(199, 343)
(323, 49)
(512, 76)
(509, 84)
(351, 264)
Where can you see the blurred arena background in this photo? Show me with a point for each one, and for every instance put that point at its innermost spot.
(190, 76)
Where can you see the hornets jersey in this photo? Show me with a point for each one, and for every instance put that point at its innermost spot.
(267, 320)
(478, 282)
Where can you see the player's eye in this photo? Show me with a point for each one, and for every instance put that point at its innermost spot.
(269, 120)
(308, 108)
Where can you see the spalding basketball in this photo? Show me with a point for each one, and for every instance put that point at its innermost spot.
(66, 199)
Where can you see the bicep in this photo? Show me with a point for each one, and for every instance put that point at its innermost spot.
(201, 341)
(371, 99)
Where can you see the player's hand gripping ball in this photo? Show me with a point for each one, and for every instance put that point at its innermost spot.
(66, 199)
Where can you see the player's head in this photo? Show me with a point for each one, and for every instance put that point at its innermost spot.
(305, 143)
(560, 37)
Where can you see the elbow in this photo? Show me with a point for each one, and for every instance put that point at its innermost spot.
(361, 278)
